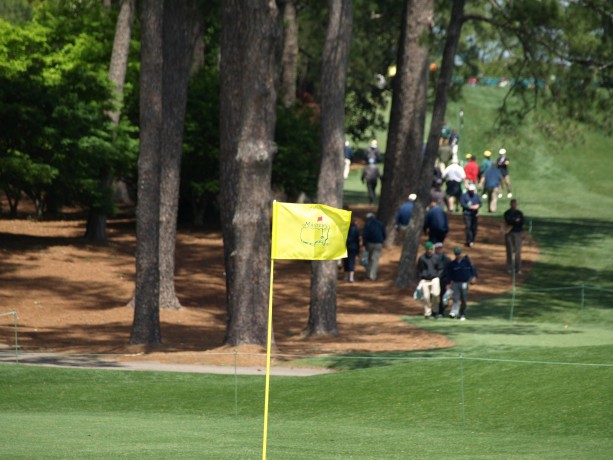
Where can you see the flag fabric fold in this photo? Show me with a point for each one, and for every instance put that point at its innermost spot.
(309, 231)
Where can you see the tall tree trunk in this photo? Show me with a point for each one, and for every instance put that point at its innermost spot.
(406, 268)
(289, 61)
(146, 324)
(407, 119)
(180, 29)
(96, 221)
(180, 32)
(322, 311)
(167, 47)
(248, 35)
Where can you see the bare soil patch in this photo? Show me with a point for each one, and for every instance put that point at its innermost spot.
(70, 295)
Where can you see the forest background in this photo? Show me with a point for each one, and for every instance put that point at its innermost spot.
(72, 126)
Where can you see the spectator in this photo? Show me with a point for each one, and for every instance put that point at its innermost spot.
(490, 183)
(353, 249)
(454, 175)
(471, 169)
(514, 219)
(470, 203)
(485, 163)
(460, 273)
(444, 262)
(373, 236)
(445, 133)
(348, 158)
(454, 137)
(370, 176)
(503, 165)
(436, 223)
(437, 194)
(373, 152)
(403, 216)
(428, 270)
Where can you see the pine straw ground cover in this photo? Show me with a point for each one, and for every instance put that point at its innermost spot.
(71, 296)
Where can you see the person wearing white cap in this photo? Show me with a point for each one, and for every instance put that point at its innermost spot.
(470, 203)
(503, 166)
(403, 216)
(373, 152)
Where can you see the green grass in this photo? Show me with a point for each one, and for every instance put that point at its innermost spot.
(526, 388)
(404, 409)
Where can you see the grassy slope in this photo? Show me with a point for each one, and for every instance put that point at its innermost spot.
(397, 406)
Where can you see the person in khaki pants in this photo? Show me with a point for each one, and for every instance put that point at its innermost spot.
(490, 184)
(428, 270)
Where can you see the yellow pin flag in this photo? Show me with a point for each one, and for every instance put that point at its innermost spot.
(309, 231)
(303, 232)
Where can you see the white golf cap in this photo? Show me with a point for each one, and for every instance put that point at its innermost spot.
(471, 187)
(412, 197)
(502, 151)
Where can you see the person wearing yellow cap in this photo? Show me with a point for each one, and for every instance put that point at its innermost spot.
(485, 163)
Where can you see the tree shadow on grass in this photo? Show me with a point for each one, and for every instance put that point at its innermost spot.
(350, 361)
(555, 233)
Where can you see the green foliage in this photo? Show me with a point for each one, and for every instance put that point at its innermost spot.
(556, 54)
(15, 11)
(296, 163)
(55, 94)
(375, 30)
(200, 164)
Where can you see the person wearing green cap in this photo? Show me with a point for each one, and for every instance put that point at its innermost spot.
(428, 269)
(460, 273)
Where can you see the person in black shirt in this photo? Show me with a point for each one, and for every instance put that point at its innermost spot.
(428, 270)
(514, 219)
(444, 262)
(373, 236)
(353, 249)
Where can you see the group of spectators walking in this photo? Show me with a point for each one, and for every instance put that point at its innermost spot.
(467, 187)
(437, 271)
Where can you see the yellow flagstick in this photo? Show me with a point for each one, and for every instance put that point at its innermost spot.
(268, 347)
(269, 339)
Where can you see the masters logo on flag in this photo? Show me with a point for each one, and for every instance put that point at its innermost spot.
(309, 231)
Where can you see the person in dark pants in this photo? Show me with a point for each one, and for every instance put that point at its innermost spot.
(373, 236)
(444, 262)
(460, 274)
(514, 219)
(436, 223)
(370, 177)
(353, 249)
(470, 203)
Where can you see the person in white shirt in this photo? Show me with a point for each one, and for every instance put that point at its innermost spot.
(453, 175)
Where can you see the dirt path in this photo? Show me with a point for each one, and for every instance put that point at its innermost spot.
(70, 296)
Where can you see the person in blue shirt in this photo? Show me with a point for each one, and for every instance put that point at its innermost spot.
(470, 203)
(460, 274)
(490, 183)
(436, 223)
(373, 236)
(403, 217)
